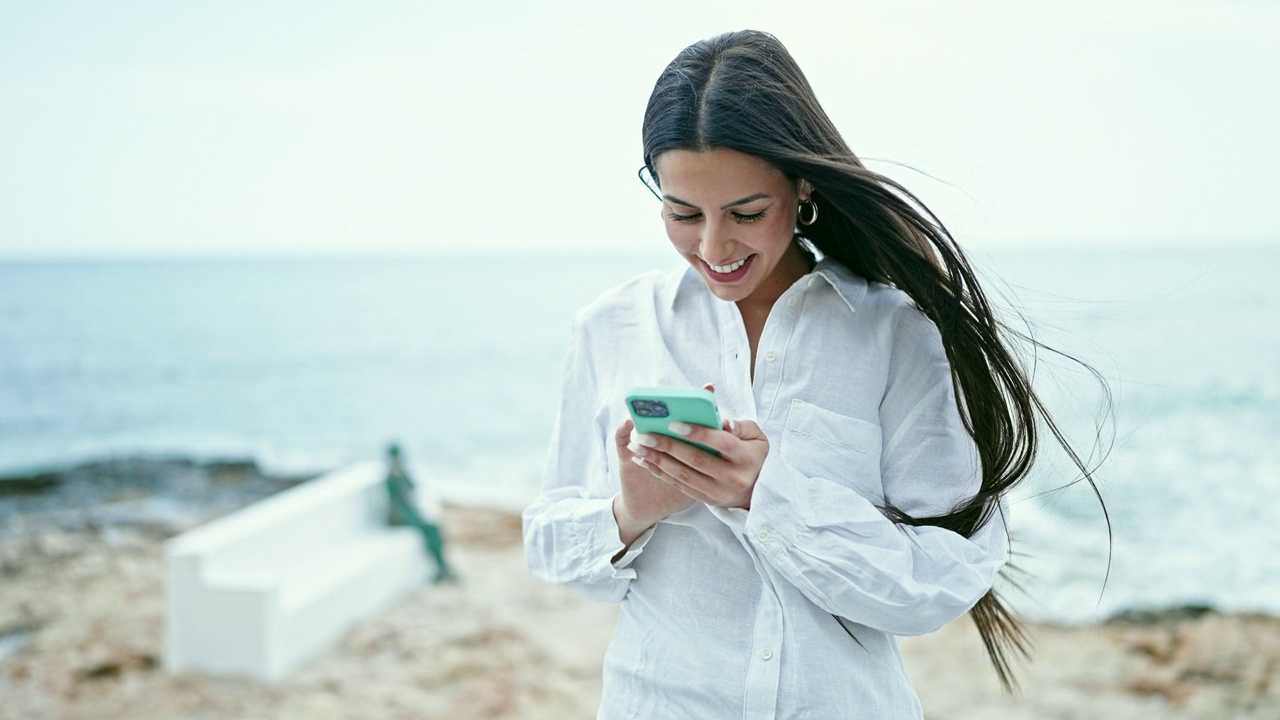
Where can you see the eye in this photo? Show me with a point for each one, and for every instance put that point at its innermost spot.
(749, 218)
(684, 218)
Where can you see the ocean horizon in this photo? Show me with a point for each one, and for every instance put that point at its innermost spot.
(305, 365)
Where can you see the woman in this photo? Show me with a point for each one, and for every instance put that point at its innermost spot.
(879, 421)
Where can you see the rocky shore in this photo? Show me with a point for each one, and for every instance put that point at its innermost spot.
(81, 622)
(159, 495)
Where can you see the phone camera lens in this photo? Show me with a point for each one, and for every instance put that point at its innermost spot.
(650, 408)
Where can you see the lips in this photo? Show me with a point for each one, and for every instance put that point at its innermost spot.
(728, 273)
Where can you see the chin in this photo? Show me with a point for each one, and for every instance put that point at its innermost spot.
(725, 294)
(729, 293)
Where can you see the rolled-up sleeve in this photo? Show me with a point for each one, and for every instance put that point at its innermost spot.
(842, 552)
(848, 558)
(570, 533)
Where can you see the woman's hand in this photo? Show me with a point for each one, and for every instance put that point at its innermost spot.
(727, 480)
(645, 498)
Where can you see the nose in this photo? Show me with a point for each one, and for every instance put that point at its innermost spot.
(716, 241)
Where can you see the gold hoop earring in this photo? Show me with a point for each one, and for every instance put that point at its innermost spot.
(813, 217)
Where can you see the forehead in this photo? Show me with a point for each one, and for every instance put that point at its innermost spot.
(717, 174)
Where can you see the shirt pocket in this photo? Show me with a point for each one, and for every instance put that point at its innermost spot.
(820, 443)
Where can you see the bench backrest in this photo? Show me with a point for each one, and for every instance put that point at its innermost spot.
(315, 514)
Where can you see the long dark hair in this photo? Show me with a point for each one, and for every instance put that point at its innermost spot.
(743, 91)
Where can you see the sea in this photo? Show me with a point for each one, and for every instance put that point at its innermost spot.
(304, 365)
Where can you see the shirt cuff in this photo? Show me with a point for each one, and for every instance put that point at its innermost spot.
(621, 564)
(596, 541)
(735, 518)
(778, 500)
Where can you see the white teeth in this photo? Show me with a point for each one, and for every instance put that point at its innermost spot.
(723, 269)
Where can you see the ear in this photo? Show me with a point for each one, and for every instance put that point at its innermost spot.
(803, 190)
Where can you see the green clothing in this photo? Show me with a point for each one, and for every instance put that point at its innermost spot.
(404, 511)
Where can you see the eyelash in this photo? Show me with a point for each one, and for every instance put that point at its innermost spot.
(692, 218)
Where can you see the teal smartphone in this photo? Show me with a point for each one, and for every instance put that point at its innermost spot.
(653, 408)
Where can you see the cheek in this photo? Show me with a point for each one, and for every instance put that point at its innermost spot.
(682, 235)
(777, 232)
(787, 221)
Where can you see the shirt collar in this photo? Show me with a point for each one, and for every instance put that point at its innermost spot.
(680, 282)
(850, 287)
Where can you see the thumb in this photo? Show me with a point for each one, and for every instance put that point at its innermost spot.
(745, 429)
(622, 437)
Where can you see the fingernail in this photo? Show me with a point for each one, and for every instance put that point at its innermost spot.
(647, 440)
(680, 428)
(634, 435)
(638, 449)
(640, 462)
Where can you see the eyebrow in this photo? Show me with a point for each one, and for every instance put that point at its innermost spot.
(735, 203)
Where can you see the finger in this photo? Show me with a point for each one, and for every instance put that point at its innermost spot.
(682, 477)
(638, 450)
(660, 475)
(664, 478)
(679, 471)
(624, 430)
(650, 468)
(685, 453)
(695, 493)
(747, 430)
(730, 442)
(703, 435)
(623, 434)
(698, 486)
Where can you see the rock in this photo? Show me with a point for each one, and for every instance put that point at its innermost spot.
(35, 484)
(118, 664)
(1160, 616)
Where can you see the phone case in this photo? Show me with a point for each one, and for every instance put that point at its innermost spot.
(691, 405)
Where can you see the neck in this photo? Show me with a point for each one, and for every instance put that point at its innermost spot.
(793, 266)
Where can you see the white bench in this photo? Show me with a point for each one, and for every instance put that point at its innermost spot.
(259, 591)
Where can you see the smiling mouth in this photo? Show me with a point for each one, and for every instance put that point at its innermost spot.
(728, 273)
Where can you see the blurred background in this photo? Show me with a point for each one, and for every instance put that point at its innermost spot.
(288, 233)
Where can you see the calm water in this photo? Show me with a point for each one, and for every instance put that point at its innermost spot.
(306, 365)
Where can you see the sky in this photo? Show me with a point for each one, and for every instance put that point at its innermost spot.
(236, 128)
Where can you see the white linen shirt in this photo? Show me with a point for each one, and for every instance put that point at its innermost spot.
(728, 613)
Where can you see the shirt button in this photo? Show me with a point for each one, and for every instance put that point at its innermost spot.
(764, 535)
(791, 301)
(766, 654)
(810, 283)
(771, 356)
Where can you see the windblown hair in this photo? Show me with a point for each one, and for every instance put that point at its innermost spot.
(743, 91)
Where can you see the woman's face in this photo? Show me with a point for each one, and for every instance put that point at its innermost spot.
(732, 216)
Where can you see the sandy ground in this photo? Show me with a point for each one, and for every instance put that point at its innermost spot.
(81, 622)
